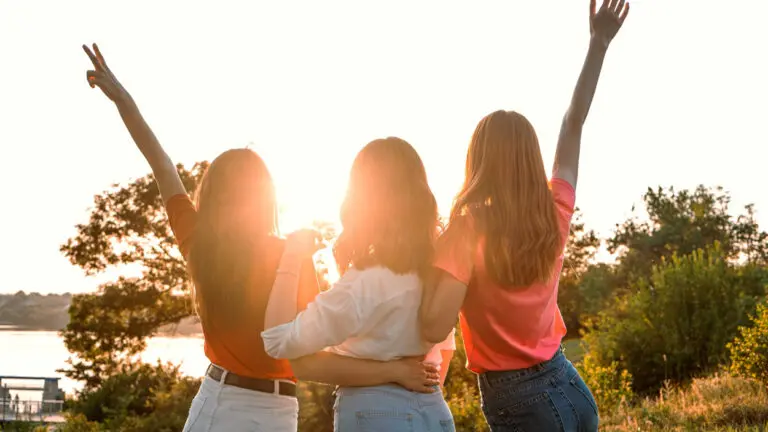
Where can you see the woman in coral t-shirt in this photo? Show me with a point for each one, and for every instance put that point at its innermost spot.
(501, 258)
(229, 239)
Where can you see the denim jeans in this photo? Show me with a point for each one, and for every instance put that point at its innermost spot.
(219, 407)
(389, 408)
(550, 396)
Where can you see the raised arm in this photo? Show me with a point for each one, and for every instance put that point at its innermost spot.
(164, 170)
(604, 24)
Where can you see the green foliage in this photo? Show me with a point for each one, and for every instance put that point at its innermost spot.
(682, 222)
(138, 397)
(675, 325)
(610, 385)
(582, 247)
(749, 350)
(127, 228)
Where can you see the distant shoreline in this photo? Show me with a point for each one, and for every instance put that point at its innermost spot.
(16, 328)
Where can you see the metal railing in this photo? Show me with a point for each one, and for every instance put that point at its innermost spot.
(11, 409)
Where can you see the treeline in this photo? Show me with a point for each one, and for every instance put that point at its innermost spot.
(35, 311)
(675, 305)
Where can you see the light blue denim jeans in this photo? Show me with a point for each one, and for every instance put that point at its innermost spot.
(389, 408)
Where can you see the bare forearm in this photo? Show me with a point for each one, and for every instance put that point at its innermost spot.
(329, 368)
(282, 306)
(587, 84)
(162, 167)
(569, 143)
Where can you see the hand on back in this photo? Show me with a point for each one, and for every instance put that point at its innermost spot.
(605, 22)
(103, 78)
(415, 375)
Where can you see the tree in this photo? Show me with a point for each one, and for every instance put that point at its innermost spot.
(579, 252)
(681, 222)
(127, 228)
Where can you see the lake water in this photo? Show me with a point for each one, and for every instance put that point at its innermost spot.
(40, 353)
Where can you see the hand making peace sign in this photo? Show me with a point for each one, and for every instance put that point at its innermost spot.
(103, 77)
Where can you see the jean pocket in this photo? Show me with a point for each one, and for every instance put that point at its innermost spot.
(383, 421)
(198, 403)
(535, 413)
(447, 426)
(582, 388)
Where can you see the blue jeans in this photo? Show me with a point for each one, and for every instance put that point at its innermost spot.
(388, 408)
(550, 396)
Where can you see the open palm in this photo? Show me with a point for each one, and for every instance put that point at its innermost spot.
(103, 77)
(606, 22)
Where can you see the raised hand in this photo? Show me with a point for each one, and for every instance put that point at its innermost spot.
(606, 22)
(304, 242)
(103, 77)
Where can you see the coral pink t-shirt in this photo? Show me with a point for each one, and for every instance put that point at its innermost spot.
(503, 328)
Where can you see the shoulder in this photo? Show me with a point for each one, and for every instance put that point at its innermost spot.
(377, 281)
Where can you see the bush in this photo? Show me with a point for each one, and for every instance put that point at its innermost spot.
(675, 325)
(611, 386)
(749, 350)
(141, 397)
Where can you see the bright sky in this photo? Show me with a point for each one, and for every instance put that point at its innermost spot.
(682, 100)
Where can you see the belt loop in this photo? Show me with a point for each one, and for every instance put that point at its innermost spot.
(277, 387)
(224, 374)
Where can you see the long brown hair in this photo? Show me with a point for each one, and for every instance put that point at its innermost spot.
(508, 196)
(236, 215)
(389, 214)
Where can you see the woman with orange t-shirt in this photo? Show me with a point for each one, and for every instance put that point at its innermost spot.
(229, 238)
(501, 257)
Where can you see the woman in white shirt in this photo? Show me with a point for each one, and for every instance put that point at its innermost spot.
(384, 254)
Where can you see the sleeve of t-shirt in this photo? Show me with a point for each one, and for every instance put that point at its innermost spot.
(565, 202)
(455, 257)
(182, 217)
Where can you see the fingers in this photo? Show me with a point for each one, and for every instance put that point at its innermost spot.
(430, 368)
(95, 78)
(619, 8)
(624, 14)
(93, 58)
(605, 4)
(592, 8)
(99, 56)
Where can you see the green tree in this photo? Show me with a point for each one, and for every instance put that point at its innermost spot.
(579, 252)
(127, 228)
(681, 222)
(674, 325)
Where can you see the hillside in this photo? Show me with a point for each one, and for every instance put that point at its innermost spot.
(49, 312)
(35, 311)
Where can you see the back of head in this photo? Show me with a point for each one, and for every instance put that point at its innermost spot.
(389, 215)
(507, 194)
(236, 217)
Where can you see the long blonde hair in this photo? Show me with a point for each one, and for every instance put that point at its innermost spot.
(508, 198)
(236, 216)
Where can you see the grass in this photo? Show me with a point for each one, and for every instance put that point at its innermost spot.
(717, 403)
(574, 350)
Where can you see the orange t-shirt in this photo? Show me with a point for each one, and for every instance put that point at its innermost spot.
(242, 351)
(509, 328)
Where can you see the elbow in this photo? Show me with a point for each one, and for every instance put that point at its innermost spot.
(301, 369)
(573, 122)
(433, 335)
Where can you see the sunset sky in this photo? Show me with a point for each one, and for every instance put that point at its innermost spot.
(682, 100)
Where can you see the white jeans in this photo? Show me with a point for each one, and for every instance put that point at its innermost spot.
(219, 407)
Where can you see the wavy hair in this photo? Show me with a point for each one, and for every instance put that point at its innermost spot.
(389, 214)
(236, 215)
(508, 198)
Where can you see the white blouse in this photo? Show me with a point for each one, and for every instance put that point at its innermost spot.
(369, 314)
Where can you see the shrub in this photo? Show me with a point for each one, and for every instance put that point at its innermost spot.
(749, 350)
(140, 397)
(675, 325)
(611, 386)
